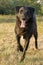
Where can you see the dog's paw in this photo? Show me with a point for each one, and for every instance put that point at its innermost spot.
(21, 48)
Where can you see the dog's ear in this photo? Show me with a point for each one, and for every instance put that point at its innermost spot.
(17, 8)
(32, 10)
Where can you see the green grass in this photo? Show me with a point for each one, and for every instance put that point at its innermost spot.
(8, 44)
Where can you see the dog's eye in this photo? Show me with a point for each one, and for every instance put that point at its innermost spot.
(28, 12)
(21, 11)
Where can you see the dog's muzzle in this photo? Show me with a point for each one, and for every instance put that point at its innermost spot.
(23, 23)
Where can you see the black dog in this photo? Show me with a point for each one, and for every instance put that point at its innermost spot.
(25, 26)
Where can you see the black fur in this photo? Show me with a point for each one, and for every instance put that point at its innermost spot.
(29, 30)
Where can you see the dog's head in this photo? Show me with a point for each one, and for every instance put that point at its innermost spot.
(24, 14)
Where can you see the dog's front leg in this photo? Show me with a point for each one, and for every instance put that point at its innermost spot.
(19, 47)
(25, 48)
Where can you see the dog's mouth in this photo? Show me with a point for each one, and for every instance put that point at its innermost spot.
(23, 24)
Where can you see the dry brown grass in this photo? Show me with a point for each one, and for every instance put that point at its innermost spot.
(8, 53)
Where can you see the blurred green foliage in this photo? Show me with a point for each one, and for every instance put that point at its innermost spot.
(8, 6)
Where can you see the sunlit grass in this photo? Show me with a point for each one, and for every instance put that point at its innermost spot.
(8, 53)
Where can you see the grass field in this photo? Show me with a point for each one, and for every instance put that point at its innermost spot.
(8, 44)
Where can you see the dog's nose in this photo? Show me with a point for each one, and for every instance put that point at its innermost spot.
(23, 18)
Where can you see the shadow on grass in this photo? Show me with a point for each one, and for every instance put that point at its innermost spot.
(7, 20)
